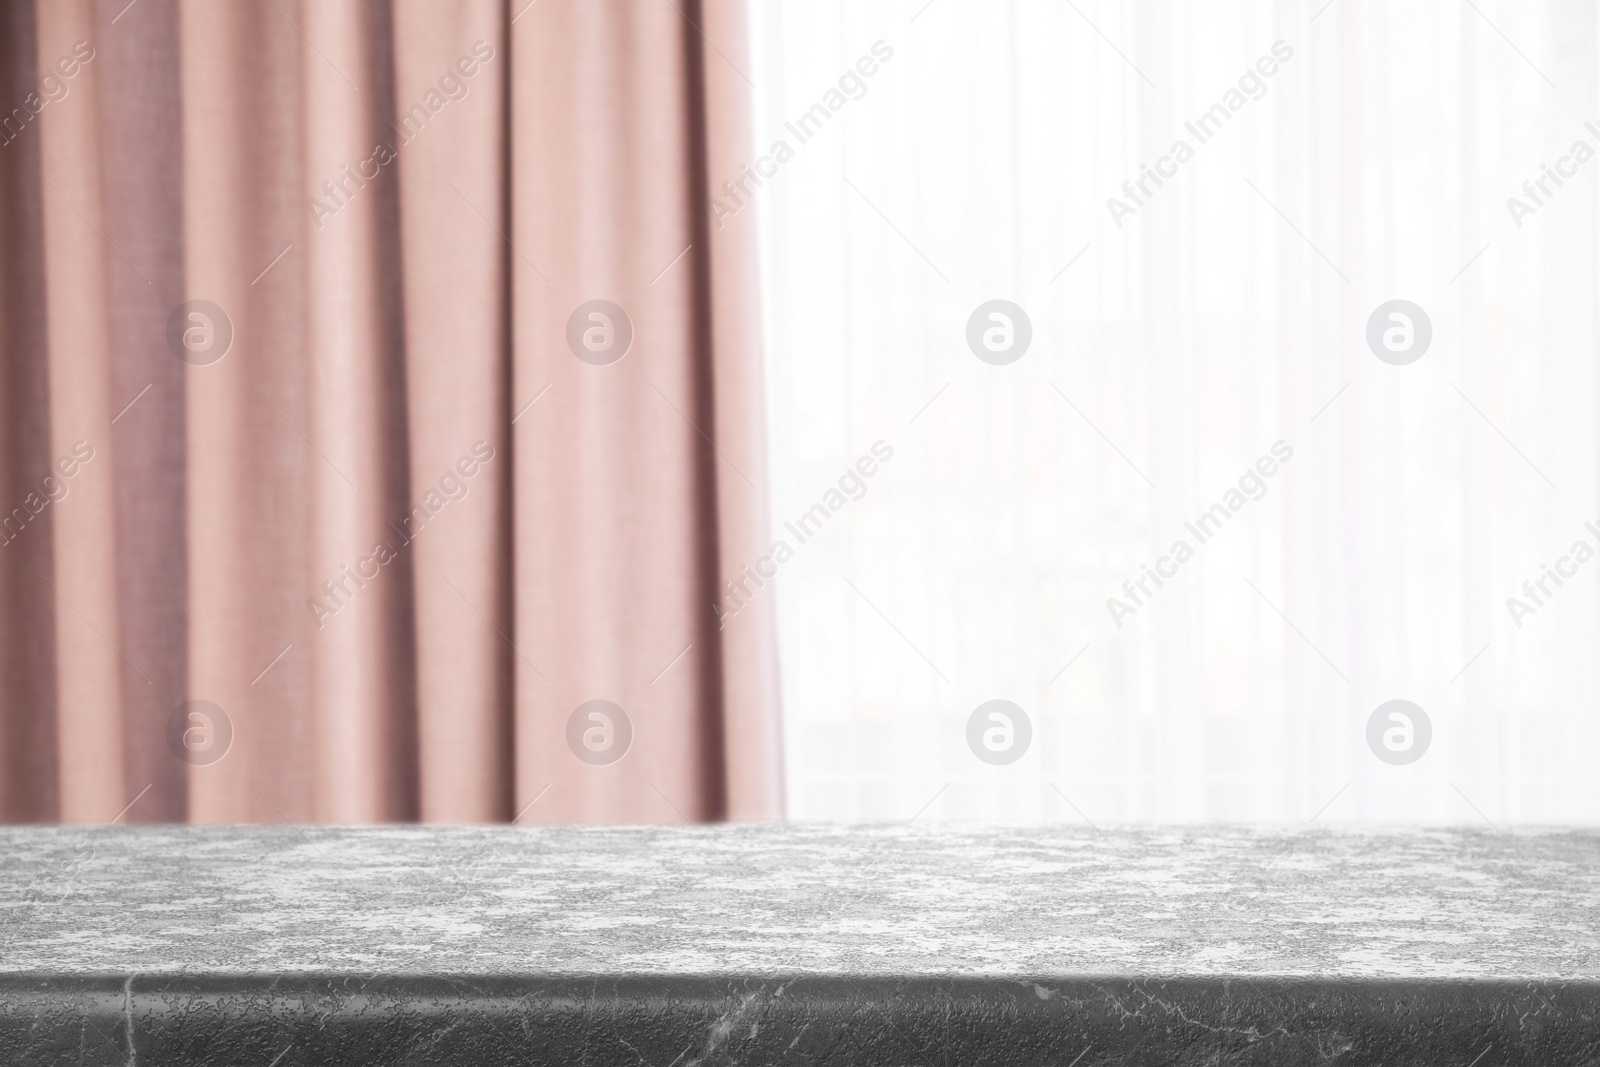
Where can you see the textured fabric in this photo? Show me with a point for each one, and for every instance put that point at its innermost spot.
(399, 531)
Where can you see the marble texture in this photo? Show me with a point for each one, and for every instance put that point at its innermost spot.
(675, 947)
(764, 900)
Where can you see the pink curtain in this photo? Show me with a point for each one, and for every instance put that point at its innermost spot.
(378, 395)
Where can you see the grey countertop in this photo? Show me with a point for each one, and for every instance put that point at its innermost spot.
(764, 900)
(923, 946)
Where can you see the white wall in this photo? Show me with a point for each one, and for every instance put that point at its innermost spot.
(1172, 353)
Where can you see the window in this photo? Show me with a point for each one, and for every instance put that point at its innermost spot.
(1381, 501)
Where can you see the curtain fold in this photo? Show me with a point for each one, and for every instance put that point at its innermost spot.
(90, 743)
(458, 366)
(413, 409)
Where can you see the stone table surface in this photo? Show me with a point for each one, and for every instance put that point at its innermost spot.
(764, 943)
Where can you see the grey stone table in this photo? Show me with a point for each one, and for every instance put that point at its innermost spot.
(929, 947)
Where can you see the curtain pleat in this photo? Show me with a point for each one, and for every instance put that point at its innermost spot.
(608, 219)
(452, 214)
(29, 729)
(78, 356)
(136, 94)
(301, 277)
(747, 656)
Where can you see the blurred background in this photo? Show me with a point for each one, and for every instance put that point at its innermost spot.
(1172, 346)
(684, 410)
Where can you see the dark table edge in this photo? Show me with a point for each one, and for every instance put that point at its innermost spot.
(659, 1020)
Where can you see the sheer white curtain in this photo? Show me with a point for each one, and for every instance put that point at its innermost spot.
(1352, 155)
